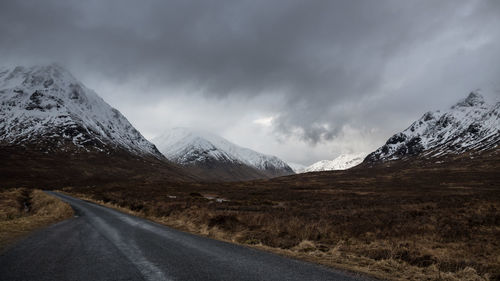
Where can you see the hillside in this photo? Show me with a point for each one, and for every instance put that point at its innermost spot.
(215, 158)
(471, 126)
(53, 129)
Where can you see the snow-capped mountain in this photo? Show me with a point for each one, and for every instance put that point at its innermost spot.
(342, 162)
(297, 168)
(46, 107)
(469, 125)
(202, 149)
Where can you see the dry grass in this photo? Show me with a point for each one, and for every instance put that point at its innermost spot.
(24, 210)
(416, 257)
(423, 223)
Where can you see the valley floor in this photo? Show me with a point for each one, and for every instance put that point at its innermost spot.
(426, 222)
(100, 243)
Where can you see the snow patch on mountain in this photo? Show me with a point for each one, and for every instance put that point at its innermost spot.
(471, 124)
(44, 105)
(342, 162)
(185, 146)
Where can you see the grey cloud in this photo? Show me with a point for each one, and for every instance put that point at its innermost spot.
(328, 59)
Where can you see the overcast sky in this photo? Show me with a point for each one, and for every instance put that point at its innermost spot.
(303, 80)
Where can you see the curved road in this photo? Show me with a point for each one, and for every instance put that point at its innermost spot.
(104, 244)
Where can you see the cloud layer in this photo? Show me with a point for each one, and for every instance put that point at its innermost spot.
(325, 71)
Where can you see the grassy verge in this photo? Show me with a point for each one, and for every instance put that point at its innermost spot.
(428, 222)
(24, 210)
(433, 237)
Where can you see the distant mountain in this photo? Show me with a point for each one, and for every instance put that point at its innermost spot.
(342, 162)
(216, 158)
(297, 168)
(44, 109)
(471, 125)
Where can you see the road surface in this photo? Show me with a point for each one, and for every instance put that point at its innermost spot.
(104, 244)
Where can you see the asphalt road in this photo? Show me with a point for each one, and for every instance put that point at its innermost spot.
(104, 244)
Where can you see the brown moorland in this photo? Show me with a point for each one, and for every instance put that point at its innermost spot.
(35, 167)
(24, 210)
(414, 220)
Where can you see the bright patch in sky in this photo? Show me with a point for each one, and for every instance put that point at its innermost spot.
(266, 121)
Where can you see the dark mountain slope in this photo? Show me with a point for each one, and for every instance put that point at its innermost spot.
(54, 130)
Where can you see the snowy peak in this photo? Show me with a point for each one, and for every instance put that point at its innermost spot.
(189, 147)
(474, 99)
(342, 162)
(40, 77)
(470, 125)
(186, 147)
(47, 107)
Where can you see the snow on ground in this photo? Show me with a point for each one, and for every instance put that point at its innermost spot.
(342, 162)
(469, 124)
(185, 146)
(48, 101)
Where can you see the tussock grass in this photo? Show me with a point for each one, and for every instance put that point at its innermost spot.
(24, 210)
(423, 223)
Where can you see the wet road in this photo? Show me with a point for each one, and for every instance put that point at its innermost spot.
(104, 244)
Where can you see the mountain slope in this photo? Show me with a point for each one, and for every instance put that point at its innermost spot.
(47, 106)
(216, 157)
(471, 125)
(49, 121)
(342, 162)
(297, 168)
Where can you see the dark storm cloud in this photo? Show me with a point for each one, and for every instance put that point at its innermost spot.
(328, 60)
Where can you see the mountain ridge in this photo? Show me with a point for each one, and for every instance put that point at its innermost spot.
(342, 162)
(46, 103)
(204, 150)
(54, 131)
(471, 125)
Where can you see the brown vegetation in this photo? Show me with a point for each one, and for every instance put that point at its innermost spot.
(423, 222)
(35, 168)
(24, 210)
